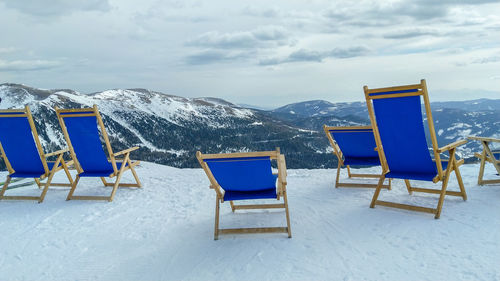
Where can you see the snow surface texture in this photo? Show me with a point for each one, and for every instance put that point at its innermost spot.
(165, 232)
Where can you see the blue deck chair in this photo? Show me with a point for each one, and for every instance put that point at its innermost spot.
(487, 155)
(397, 121)
(354, 146)
(246, 176)
(80, 129)
(23, 154)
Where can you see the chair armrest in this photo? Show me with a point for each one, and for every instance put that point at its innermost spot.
(451, 145)
(484, 139)
(125, 151)
(56, 152)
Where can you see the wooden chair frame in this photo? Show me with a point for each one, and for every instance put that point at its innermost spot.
(49, 174)
(338, 152)
(127, 163)
(487, 155)
(442, 176)
(281, 192)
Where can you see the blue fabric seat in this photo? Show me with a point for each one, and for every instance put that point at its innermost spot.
(244, 178)
(362, 161)
(410, 175)
(87, 145)
(270, 193)
(357, 146)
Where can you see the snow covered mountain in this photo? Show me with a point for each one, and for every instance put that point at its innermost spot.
(170, 129)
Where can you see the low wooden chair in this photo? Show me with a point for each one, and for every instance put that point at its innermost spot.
(246, 176)
(397, 121)
(354, 146)
(23, 154)
(80, 129)
(487, 155)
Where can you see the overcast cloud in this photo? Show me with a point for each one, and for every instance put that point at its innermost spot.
(266, 53)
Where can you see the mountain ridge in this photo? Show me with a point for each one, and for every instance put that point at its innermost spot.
(169, 129)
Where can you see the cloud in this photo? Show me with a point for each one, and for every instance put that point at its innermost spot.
(263, 37)
(411, 33)
(56, 8)
(217, 56)
(304, 55)
(491, 59)
(27, 65)
(259, 12)
(7, 50)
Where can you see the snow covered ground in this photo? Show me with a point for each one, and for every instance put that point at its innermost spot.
(165, 232)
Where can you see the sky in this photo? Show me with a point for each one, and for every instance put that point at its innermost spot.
(263, 53)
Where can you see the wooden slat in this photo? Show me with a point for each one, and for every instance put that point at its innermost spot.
(239, 155)
(122, 184)
(484, 139)
(489, 181)
(56, 152)
(451, 145)
(78, 115)
(60, 184)
(395, 88)
(360, 185)
(388, 96)
(435, 191)
(81, 197)
(261, 206)
(253, 230)
(20, 197)
(347, 128)
(406, 207)
(365, 176)
(126, 150)
(13, 115)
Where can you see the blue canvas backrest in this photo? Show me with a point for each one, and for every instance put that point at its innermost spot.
(401, 129)
(84, 136)
(19, 144)
(355, 142)
(243, 174)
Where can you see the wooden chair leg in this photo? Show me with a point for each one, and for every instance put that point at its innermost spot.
(348, 171)
(134, 173)
(5, 185)
(460, 182)
(104, 182)
(49, 179)
(481, 167)
(232, 206)
(118, 178)
(390, 184)
(285, 199)
(377, 191)
(446, 178)
(73, 187)
(38, 183)
(408, 186)
(338, 176)
(216, 228)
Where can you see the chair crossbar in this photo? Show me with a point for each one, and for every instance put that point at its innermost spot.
(406, 207)
(260, 206)
(436, 191)
(253, 230)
